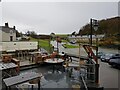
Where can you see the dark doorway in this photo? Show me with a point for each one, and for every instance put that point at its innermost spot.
(11, 38)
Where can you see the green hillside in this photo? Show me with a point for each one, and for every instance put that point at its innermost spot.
(106, 26)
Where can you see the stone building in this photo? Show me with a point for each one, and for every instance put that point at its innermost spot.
(7, 33)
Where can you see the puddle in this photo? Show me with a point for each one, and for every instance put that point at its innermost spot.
(53, 79)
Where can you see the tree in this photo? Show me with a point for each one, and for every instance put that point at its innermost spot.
(106, 26)
(52, 35)
(28, 33)
(73, 33)
(18, 34)
(31, 33)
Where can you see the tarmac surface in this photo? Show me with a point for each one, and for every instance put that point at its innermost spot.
(109, 76)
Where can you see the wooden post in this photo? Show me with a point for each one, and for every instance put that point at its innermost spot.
(49, 45)
(79, 55)
(38, 44)
(17, 62)
(57, 47)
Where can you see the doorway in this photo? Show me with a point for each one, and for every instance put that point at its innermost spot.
(11, 38)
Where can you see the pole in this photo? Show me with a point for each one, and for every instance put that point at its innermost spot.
(91, 32)
(49, 45)
(79, 55)
(58, 40)
(38, 44)
(57, 48)
(96, 49)
(90, 76)
(97, 64)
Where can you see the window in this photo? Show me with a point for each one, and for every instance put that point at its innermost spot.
(11, 31)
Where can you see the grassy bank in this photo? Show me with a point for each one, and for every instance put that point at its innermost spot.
(43, 43)
(69, 46)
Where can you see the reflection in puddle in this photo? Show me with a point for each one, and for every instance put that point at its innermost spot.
(56, 79)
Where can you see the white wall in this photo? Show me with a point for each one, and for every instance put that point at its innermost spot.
(6, 36)
(23, 45)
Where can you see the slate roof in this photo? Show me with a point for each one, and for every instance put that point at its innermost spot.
(7, 29)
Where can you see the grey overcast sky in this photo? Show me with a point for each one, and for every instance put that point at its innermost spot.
(57, 17)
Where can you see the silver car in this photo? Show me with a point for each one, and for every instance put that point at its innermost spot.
(115, 62)
(106, 57)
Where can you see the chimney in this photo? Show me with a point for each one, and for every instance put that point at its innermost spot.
(6, 24)
(14, 27)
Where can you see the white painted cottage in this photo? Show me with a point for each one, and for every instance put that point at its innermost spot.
(7, 33)
(8, 40)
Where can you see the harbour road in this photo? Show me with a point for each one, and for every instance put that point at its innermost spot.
(109, 77)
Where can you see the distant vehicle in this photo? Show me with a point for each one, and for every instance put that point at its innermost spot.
(115, 62)
(100, 54)
(43, 51)
(72, 42)
(107, 57)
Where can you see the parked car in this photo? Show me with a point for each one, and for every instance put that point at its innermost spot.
(115, 56)
(115, 62)
(107, 57)
(100, 54)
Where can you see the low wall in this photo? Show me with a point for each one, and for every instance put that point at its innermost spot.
(22, 45)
